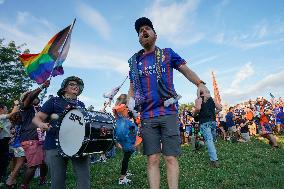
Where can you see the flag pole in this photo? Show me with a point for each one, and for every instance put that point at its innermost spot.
(123, 82)
(64, 43)
(60, 53)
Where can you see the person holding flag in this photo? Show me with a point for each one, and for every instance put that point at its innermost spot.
(41, 67)
(29, 136)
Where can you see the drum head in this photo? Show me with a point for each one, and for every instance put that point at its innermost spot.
(72, 132)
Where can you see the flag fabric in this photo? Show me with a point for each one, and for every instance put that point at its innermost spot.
(110, 95)
(41, 66)
(271, 95)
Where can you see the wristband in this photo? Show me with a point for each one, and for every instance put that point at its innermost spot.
(200, 81)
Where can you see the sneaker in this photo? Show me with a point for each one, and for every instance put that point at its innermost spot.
(103, 160)
(241, 140)
(124, 181)
(10, 183)
(215, 164)
(43, 182)
(128, 174)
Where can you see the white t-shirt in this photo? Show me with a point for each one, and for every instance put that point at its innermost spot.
(5, 125)
(223, 117)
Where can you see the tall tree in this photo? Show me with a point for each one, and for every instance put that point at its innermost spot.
(13, 79)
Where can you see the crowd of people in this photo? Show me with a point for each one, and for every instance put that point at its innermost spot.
(149, 112)
(24, 142)
(260, 117)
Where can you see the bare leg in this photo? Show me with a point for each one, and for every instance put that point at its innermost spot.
(272, 139)
(186, 139)
(19, 162)
(223, 133)
(153, 169)
(172, 171)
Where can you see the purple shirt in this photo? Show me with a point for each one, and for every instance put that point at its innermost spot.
(154, 105)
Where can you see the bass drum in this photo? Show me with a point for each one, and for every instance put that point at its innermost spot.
(84, 132)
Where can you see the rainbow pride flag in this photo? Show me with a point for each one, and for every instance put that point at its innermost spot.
(48, 63)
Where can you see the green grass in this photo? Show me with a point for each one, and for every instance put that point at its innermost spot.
(243, 165)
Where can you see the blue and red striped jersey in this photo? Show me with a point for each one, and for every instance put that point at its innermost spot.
(154, 105)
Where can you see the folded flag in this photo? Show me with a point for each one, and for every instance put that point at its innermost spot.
(41, 66)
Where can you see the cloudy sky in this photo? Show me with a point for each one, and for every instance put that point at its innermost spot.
(241, 41)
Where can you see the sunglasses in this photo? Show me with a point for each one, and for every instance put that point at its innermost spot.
(73, 84)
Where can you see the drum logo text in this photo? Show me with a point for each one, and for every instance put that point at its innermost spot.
(75, 117)
(103, 131)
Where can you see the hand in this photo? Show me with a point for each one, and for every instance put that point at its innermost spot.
(16, 102)
(46, 84)
(44, 126)
(118, 145)
(15, 109)
(131, 104)
(198, 103)
(201, 89)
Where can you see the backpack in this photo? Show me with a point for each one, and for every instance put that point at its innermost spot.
(125, 132)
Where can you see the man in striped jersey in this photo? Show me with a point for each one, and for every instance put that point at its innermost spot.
(152, 93)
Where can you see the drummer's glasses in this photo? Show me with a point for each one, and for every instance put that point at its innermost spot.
(73, 84)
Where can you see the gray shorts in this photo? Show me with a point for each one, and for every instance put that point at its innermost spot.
(161, 134)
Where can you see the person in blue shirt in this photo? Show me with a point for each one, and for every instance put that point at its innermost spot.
(71, 88)
(280, 119)
(230, 124)
(152, 93)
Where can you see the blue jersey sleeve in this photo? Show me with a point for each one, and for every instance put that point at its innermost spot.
(176, 60)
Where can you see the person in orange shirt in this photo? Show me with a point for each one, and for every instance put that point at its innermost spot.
(267, 121)
(251, 124)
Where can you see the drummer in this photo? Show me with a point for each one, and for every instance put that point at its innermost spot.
(71, 88)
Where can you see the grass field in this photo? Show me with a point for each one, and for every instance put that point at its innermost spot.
(243, 165)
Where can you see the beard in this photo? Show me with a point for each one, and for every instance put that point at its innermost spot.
(147, 43)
